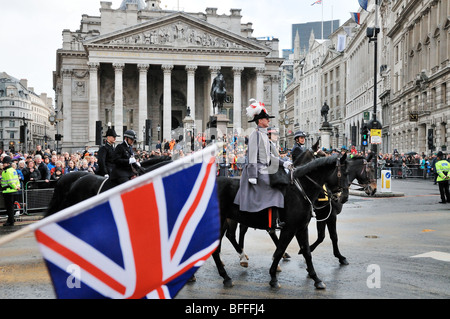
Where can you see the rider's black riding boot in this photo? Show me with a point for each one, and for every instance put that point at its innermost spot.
(276, 222)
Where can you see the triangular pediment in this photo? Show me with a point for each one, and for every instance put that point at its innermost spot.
(177, 31)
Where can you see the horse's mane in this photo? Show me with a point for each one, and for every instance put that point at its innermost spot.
(314, 165)
(356, 157)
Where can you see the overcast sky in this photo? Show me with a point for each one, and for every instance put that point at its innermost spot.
(31, 30)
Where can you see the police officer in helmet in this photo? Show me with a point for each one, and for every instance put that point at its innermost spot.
(106, 154)
(297, 150)
(124, 159)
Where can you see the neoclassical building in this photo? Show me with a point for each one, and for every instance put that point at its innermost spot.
(139, 62)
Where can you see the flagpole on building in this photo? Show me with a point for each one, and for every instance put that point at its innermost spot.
(89, 203)
(322, 18)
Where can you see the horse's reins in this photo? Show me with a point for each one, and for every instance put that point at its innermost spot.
(297, 184)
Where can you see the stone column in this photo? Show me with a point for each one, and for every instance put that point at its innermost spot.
(93, 100)
(143, 114)
(191, 88)
(214, 70)
(167, 103)
(67, 101)
(275, 101)
(237, 105)
(260, 84)
(118, 99)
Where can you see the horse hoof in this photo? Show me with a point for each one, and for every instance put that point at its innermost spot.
(243, 260)
(228, 283)
(278, 268)
(320, 285)
(274, 284)
(343, 261)
(286, 256)
(192, 279)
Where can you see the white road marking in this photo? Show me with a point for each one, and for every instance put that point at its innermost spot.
(435, 255)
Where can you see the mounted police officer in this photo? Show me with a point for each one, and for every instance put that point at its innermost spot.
(10, 186)
(124, 159)
(106, 154)
(255, 192)
(297, 150)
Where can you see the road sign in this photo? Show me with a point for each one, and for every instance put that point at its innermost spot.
(386, 179)
(375, 136)
(366, 116)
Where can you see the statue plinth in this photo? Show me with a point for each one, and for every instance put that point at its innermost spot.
(217, 126)
(325, 134)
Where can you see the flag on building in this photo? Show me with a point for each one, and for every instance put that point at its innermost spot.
(317, 2)
(341, 42)
(356, 17)
(142, 239)
(363, 4)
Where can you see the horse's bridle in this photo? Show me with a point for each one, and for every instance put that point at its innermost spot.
(366, 167)
(333, 196)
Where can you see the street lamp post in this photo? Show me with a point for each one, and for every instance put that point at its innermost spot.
(374, 123)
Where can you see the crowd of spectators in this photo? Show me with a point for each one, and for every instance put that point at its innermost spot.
(46, 165)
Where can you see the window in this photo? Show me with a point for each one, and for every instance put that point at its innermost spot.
(12, 123)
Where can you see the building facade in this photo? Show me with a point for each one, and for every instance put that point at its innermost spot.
(415, 69)
(140, 62)
(413, 74)
(19, 104)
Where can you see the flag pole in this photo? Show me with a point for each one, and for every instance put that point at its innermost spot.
(103, 197)
(322, 18)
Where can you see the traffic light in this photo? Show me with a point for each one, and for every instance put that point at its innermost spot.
(430, 139)
(23, 130)
(148, 132)
(365, 136)
(98, 133)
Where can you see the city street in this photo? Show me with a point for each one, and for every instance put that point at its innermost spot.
(397, 247)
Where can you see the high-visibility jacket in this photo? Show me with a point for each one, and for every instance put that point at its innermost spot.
(442, 169)
(10, 180)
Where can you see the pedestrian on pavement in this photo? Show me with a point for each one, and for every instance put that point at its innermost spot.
(10, 186)
(442, 171)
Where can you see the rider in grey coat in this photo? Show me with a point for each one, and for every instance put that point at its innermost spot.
(255, 193)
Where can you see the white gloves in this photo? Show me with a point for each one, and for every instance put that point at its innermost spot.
(132, 160)
(253, 181)
(287, 164)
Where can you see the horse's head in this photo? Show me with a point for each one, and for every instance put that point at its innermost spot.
(337, 181)
(330, 170)
(363, 171)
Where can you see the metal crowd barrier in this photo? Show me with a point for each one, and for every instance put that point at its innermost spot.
(38, 195)
(408, 171)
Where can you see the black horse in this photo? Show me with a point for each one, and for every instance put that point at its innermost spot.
(326, 215)
(297, 213)
(218, 93)
(305, 157)
(75, 187)
(326, 212)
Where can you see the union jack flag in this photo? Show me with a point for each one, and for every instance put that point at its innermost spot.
(142, 241)
(317, 2)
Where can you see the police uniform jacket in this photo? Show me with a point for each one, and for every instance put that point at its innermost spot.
(261, 163)
(105, 157)
(297, 150)
(122, 167)
(442, 170)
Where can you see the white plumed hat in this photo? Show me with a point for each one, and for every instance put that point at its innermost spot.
(256, 111)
